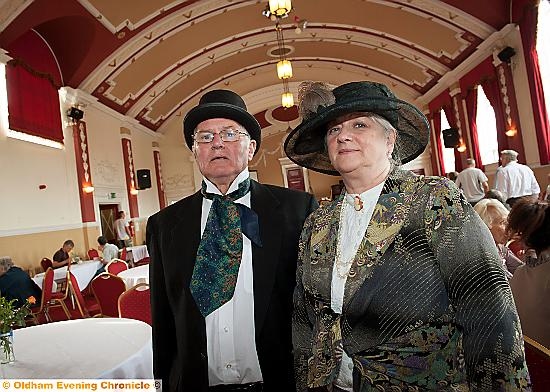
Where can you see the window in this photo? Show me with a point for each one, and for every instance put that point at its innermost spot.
(486, 129)
(448, 153)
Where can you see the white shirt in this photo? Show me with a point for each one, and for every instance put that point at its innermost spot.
(353, 226)
(516, 180)
(110, 252)
(471, 180)
(120, 228)
(230, 331)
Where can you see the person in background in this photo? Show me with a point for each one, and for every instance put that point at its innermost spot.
(109, 252)
(61, 257)
(223, 264)
(122, 230)
(399, 282)
(452, 176)
(497, 195)
(473, 182)
(494, 215)
(515, 180)
(16, 283)
(530, 220)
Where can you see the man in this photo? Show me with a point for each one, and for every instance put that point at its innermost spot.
(514, 179)
(122, 229)
(16, 283)
(236, 337)
(109, 251)
(473, 182)
(61, 257)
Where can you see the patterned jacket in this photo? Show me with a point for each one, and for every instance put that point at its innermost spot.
(426, 304)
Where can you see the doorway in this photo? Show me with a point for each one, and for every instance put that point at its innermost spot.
(108, 214)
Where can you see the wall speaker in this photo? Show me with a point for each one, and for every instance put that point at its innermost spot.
(75, 113)
(451, 138)
(143, 178)
(506, 54)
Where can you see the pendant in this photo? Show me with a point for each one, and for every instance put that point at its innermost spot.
(357, 203)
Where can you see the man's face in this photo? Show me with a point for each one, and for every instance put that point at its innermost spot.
(219, 161)
(67, 248)
(504, 160)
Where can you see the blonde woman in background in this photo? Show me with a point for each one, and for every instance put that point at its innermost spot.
(494, 215)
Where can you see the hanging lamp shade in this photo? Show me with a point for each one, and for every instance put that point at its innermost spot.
(280, 7)
(284, 69)
(287, 100)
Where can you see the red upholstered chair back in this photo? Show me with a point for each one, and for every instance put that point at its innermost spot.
(538, 362)
(124, 254)
(143, 261)
(92, 253)
(47, 286)
(46, 263)
(107, 288)
(135, 303)
(80, 302)
(116, 266)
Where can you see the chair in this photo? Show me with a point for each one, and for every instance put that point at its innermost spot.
(85, 308)
(107, 288)
(538, 362)
(92, 253)
(135, 303)
(124, 254)
(46, 263)
(50, 299)
(115, 266)
(143, 261)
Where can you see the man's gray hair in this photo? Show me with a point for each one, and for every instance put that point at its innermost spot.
(513, 155)
(5, 263)
(470, 161)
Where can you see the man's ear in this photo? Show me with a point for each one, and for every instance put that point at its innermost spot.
(251, 149)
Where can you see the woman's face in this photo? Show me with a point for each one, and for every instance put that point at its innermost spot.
(356, 142)
(498, 230)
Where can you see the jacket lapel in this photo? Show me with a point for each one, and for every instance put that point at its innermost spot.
(265, 258)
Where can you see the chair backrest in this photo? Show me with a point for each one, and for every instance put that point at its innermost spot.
(80, 302)
(107, 288)
(143, 261)
(538, 362)
(92, 253)
(135, 303)
(116, 266)
(46, 263)
(124, 254)
(47, 286)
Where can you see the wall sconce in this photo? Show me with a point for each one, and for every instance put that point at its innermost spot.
(134, 191)
(88, 188)
(511, 132)
(461, 147)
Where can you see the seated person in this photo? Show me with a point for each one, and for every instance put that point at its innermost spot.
(494, 215)
(530, 285)
(109, 251)
(61, 257)
(17, 284)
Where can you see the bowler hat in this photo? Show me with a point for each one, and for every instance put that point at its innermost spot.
(221, 104)
(305, 145)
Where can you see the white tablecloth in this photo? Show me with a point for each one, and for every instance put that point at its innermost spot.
(83, 273)
(138, 252)
(135, 275)
(84, 348)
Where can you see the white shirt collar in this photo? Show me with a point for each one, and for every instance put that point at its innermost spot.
(211, 188)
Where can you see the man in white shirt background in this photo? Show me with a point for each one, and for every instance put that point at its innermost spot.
(473, 182)
(122, 229)
(109, 252)
(514, 179)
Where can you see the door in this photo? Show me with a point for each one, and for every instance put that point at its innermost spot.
(108, 213)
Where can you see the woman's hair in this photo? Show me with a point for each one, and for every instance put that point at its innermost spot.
(491, 211)
(530, 219)
(5, 263)
(496, 194)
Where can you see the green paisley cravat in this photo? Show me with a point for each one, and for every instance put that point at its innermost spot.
(220, 251)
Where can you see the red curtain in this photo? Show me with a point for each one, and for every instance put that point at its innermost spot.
(33, 103)
(450, 114)
(471, 112)
(528, 30)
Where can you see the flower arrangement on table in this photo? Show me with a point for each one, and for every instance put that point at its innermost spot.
(11, 316)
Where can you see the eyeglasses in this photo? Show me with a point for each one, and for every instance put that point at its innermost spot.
(227, 135)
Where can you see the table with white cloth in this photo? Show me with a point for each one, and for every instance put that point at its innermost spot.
(136, 253)
(106, 348)
(133, 276)
(83, 272)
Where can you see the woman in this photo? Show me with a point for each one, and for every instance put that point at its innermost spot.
(399, 284)
(530, 220)
(16, 283)
(494, 215)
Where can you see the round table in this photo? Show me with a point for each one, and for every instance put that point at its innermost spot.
(107, 348)
(133, 276)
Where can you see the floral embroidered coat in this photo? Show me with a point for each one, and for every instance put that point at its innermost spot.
(426, 304)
